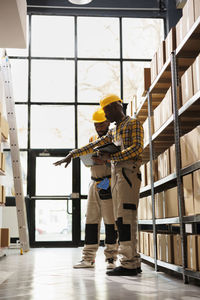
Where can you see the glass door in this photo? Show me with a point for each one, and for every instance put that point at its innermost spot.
(55, 200)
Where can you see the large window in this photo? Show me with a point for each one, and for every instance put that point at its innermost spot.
(60, 77)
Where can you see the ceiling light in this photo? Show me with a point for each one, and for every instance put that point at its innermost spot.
(80, 2)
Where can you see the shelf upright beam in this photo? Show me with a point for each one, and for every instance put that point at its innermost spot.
(175, 95)
(150, 115)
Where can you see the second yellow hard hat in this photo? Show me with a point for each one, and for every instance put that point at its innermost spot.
(99, 116)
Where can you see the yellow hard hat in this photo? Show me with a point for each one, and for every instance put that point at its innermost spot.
(99, 116)
(109, 99)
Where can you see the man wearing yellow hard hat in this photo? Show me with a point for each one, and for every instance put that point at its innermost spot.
(125, 179)
(99, 205)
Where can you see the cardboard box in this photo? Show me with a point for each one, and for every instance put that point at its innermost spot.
(196, 9)
(170, 42)
(141, 242)
(167, 106)
(158, 117)
(149, 208)
(188, 195)
(159, 205)
(3, 162)
(172, 155)
(168, 245)
(187, 85)
(142, 209)
(196, 74)
(190, 145)
(188, 16)
(147, 79)
(161, 249)
(146, 243)
(161, 56)
(171, 203)
(143, 173)
(192, 252)
(151, 245)
(177, 249)
(196, 185)
(154, 68)
(198, 251)
(4, 237)
(148, 171)
(179, 32)
(163, 164)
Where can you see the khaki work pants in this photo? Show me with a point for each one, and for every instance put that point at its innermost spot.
(125, 186)
(96, 210)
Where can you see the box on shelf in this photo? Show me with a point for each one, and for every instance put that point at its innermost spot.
(149, 208)
(148, 171)
(146, 243)
(188, 195)
(179, 32)
(151, 245)
(188, 16)
(4, 237)
(196, 182)
(141, 241)
(147, 79)
(190, 145)
(143, 173)
(3, 162)
(196, 74)
(192, 252)
(163, 164)
(142, 209)
(196, 9)
(171, 203)
(170, 42)
(161, 56)
(187, 85)
(154, 67)
(177, 249)
(146, 130)
(163, 111)
(172, 154)
(159, 205)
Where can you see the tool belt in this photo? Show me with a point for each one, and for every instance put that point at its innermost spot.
(103, 193)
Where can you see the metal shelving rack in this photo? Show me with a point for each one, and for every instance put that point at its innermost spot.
(183, 120)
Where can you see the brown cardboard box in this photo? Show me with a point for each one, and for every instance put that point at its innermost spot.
(154, 68)
(149, 207)
(158, 117)
(166, 109)
(171, 203)
(188, 16)
(192, 252)
(170, 42)
(187, 85)
(4, 237)
(142, 209)
(161, 56)
(163, 164)
(172, 155)
(196, 182)
(198, 251)
(1, 198)
(143, 173)
(190, 145)
(141, 241)
(151, 245)
(179, 32)
(159, 205)
(196, 74)
(161, 249)
(196, 9)
(146, 243)
(148, 171)
(147, 79)
(3, 162)
(168, 245)
(177, 249)
(188, 195)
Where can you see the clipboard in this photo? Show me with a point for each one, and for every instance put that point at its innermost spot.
(108, 148)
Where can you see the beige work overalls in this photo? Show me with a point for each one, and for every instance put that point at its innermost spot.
(97, 209)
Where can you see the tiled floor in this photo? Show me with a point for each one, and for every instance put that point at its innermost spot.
(48, 274)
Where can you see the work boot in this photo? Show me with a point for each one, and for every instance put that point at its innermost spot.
(110, 263)
(139, 270)
(120, 271)
(84, 264)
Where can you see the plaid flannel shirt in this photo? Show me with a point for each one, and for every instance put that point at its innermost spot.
(129, 133)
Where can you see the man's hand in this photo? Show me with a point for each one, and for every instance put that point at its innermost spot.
(66, 160)
(103, 156)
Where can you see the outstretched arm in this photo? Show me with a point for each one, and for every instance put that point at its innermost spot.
(66, 160)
